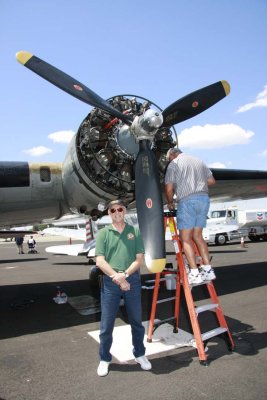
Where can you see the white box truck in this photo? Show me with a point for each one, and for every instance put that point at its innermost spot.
(251, 223)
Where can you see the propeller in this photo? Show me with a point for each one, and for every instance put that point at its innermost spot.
(194, 103)
(150, 207)
(147, 182)
(68, 84)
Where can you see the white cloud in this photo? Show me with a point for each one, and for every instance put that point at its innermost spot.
(61, 136)
(261, 101)
(264, 153)
(217, 164)
(37, 151)
(213, 136)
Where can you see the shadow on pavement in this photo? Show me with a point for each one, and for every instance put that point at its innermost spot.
(23, 260)
(29, 308)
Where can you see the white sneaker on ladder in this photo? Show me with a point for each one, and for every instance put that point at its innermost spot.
(194, 277)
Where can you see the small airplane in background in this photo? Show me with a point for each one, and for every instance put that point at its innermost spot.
(86, 234)
(119, 151)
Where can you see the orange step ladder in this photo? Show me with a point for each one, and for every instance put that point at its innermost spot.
(200, 339)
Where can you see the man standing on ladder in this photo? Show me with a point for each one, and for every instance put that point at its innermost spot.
(188, 178)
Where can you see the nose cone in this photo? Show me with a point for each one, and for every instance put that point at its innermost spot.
(153, 119)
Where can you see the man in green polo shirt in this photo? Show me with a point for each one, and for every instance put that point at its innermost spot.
(120, 254)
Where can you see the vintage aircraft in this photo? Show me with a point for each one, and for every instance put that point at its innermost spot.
(118, 152)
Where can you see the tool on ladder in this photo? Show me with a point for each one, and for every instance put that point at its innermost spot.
(200, 339)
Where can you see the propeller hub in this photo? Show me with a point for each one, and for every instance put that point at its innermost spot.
(145, 127)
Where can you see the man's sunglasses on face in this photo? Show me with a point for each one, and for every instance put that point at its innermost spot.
(113, 210)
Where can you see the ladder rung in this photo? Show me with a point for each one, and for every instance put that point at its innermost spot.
(162, 321)
(162, 279)
(212, 333)
(197, 284)
(206, 307)
(164, 300)
(148, 287)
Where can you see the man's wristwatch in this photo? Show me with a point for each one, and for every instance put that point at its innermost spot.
(126, 274)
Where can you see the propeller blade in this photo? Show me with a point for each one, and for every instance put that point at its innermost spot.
(194, 103)
(150, 207)
(68, 84)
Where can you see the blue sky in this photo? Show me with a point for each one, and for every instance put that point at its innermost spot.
(161, 50)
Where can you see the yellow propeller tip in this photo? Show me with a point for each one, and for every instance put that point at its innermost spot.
(157, 265)
(23, 56)
(226, 86)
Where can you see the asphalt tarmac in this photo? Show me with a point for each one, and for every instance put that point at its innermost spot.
(47, 354)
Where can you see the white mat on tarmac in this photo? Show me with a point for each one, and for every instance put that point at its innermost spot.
(163, 340)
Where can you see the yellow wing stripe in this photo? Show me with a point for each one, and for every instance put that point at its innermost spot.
(23, 57)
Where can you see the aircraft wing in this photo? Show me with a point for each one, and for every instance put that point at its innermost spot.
(82, 249)
(236, 184)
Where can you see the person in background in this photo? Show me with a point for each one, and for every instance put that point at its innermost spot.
(31, 245)
(120, 254)
(188, 178)
(19, 243)
(31, 242)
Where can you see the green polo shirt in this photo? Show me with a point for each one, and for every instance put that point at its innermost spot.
(119, 249)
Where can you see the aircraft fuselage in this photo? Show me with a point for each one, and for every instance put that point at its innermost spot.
(30, 192)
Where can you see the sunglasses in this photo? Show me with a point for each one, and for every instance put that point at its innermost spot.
(113, 210)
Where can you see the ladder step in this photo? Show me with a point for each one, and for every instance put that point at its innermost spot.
(197, 284)
(164, 300)
(163, 279)
(206, 307)
(162, 321)
(154, 280)
(212, 333)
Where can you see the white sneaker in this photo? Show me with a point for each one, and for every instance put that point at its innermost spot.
(207, 273)
(194, 278)
(144, 363)
(102, 369)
